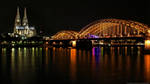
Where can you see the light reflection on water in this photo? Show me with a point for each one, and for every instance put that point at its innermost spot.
(69, 65)
(147, 67)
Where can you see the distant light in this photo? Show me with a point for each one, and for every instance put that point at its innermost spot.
(147, 44)
(73, 43)
(19, 27)
(147, 41)
(46, 42)
(13, 45)
(54, 43)
(32, 28)
(148, 31)
(13, 49)
(93, 36)
(16, 35)
(9, 33)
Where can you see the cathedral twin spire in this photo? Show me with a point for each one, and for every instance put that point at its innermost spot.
(21, 26)
(18, 19)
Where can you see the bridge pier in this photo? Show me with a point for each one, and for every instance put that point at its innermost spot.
(60, 43)
(125, 30)
(86, 44)
(147, 41)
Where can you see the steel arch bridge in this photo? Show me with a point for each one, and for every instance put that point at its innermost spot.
(65, 34)
(114, 28)
(106, 28)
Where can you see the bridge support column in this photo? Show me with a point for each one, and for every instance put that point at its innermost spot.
(147, 40)
(114, 31)
(128, 32)
(138, 32)
(86, 44)
(121, 28)
(118, 30)
(125, 30)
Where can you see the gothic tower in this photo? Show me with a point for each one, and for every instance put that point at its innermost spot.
(23, 30)
(17, 20)
(25, 19)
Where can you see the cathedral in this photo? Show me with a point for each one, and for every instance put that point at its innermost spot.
(22, 28)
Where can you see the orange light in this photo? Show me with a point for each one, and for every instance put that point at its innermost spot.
(147, 66)
(61, 43)
(54, 43)
(147, 44)
(148, 31)
(73, 43)
(46, 42)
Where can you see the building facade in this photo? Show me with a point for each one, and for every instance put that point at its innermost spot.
(21, 27)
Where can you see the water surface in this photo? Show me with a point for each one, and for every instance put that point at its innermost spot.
(99, 65)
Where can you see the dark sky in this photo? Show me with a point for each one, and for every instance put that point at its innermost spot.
(52, 16)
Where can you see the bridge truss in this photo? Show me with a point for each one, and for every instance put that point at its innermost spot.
(106, 28)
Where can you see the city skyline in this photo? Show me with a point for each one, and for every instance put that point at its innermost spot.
(74, 42)
(71, 15)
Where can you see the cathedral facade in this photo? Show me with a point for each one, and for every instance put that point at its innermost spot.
(21, 27)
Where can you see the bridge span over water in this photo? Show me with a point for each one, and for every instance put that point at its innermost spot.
(106, 31)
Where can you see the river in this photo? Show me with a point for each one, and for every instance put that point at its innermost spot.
(99, 65)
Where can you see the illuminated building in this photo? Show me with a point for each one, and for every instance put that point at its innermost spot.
(22, 28)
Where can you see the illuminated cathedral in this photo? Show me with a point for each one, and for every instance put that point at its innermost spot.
(22, 28)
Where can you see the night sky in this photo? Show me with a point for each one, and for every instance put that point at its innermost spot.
(53, 16)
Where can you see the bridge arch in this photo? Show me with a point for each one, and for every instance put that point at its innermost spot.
(113, 28)
(65, 34)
